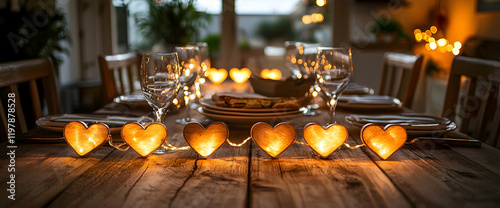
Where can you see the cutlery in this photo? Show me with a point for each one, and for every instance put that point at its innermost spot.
(450, 141)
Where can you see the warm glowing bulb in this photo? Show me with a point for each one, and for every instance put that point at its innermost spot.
(383, 142)
(306, 19)
(431, 40)
(144, 140)
(457, 45)
(205, 141)
(417, 31)
(240, 75)
(418, 37)
(320, 3)
(217, 76)
(274, 74)
(427, 46)
(433, 45)
(434, 29)
(449, 47)
(442, 42)
(455, 51)
(273, 140)
(175, 101)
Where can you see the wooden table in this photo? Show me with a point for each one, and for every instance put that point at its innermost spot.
(422, 175)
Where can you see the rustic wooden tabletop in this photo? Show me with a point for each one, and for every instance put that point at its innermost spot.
(418, 175)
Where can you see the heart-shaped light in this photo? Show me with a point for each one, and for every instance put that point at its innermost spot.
(84, 139)
(383, 142)
(273, 140)
(325, 141)
(274, 74)
(144, 140)
(240, 75)
(217, 76)
(205, 141)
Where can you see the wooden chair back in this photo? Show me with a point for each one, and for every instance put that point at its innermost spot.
(472, 98)
(19, 88)
(400, 73)
(118, 73)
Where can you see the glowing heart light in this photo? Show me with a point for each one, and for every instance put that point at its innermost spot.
(144, 140)
(325, 141)
(217, 76)
(273, 140)
(274, 74)
(205, 141)
(383, 142)
(83, 139)
(240, 75)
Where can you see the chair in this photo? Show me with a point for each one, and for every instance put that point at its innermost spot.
(400, 73)
(473, 103)
(117, 74)
(23, 78)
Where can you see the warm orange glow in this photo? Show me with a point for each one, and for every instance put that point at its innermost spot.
(434, 29)
(433, 45)
(205, 141)
(455, 51)
(449, 47)
(432, 40)
(144, 140)
(325, 141)
(457, 45)
(418, 37)
(274, 74)
(428, 32)
(416, 31)
(240, 75)
(306, 19)
(320, 3)
(317, 17)
(442, 42)
(82, 139)
(217, 76)
(383, 142)
(273, 141)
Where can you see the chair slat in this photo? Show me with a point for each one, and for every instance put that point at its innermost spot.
(130, 76)
(120, 80)
(20, 119)
(111, 64)
(35, 99)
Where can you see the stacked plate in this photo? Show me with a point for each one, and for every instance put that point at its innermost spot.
(244, 116)
(415, 124)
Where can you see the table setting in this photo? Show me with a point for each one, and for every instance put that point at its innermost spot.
(253, 140)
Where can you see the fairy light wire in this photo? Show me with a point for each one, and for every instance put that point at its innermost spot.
(174, 148)
(353, 147)
(240, 144)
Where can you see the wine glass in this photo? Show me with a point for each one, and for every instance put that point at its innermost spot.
(160, 82)
(204, 66)
(189, 58)
(291, 51)
(333, 73)
(306, 60)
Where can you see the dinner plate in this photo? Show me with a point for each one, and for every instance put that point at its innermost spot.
(245, 121)
(369, 102)
(58, 122)
(415, 124)
(209, 103)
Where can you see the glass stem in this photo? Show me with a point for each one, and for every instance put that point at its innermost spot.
(333, 104)
(160, 113)
(186, 100)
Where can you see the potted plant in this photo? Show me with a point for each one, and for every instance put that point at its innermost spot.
(172, 22)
